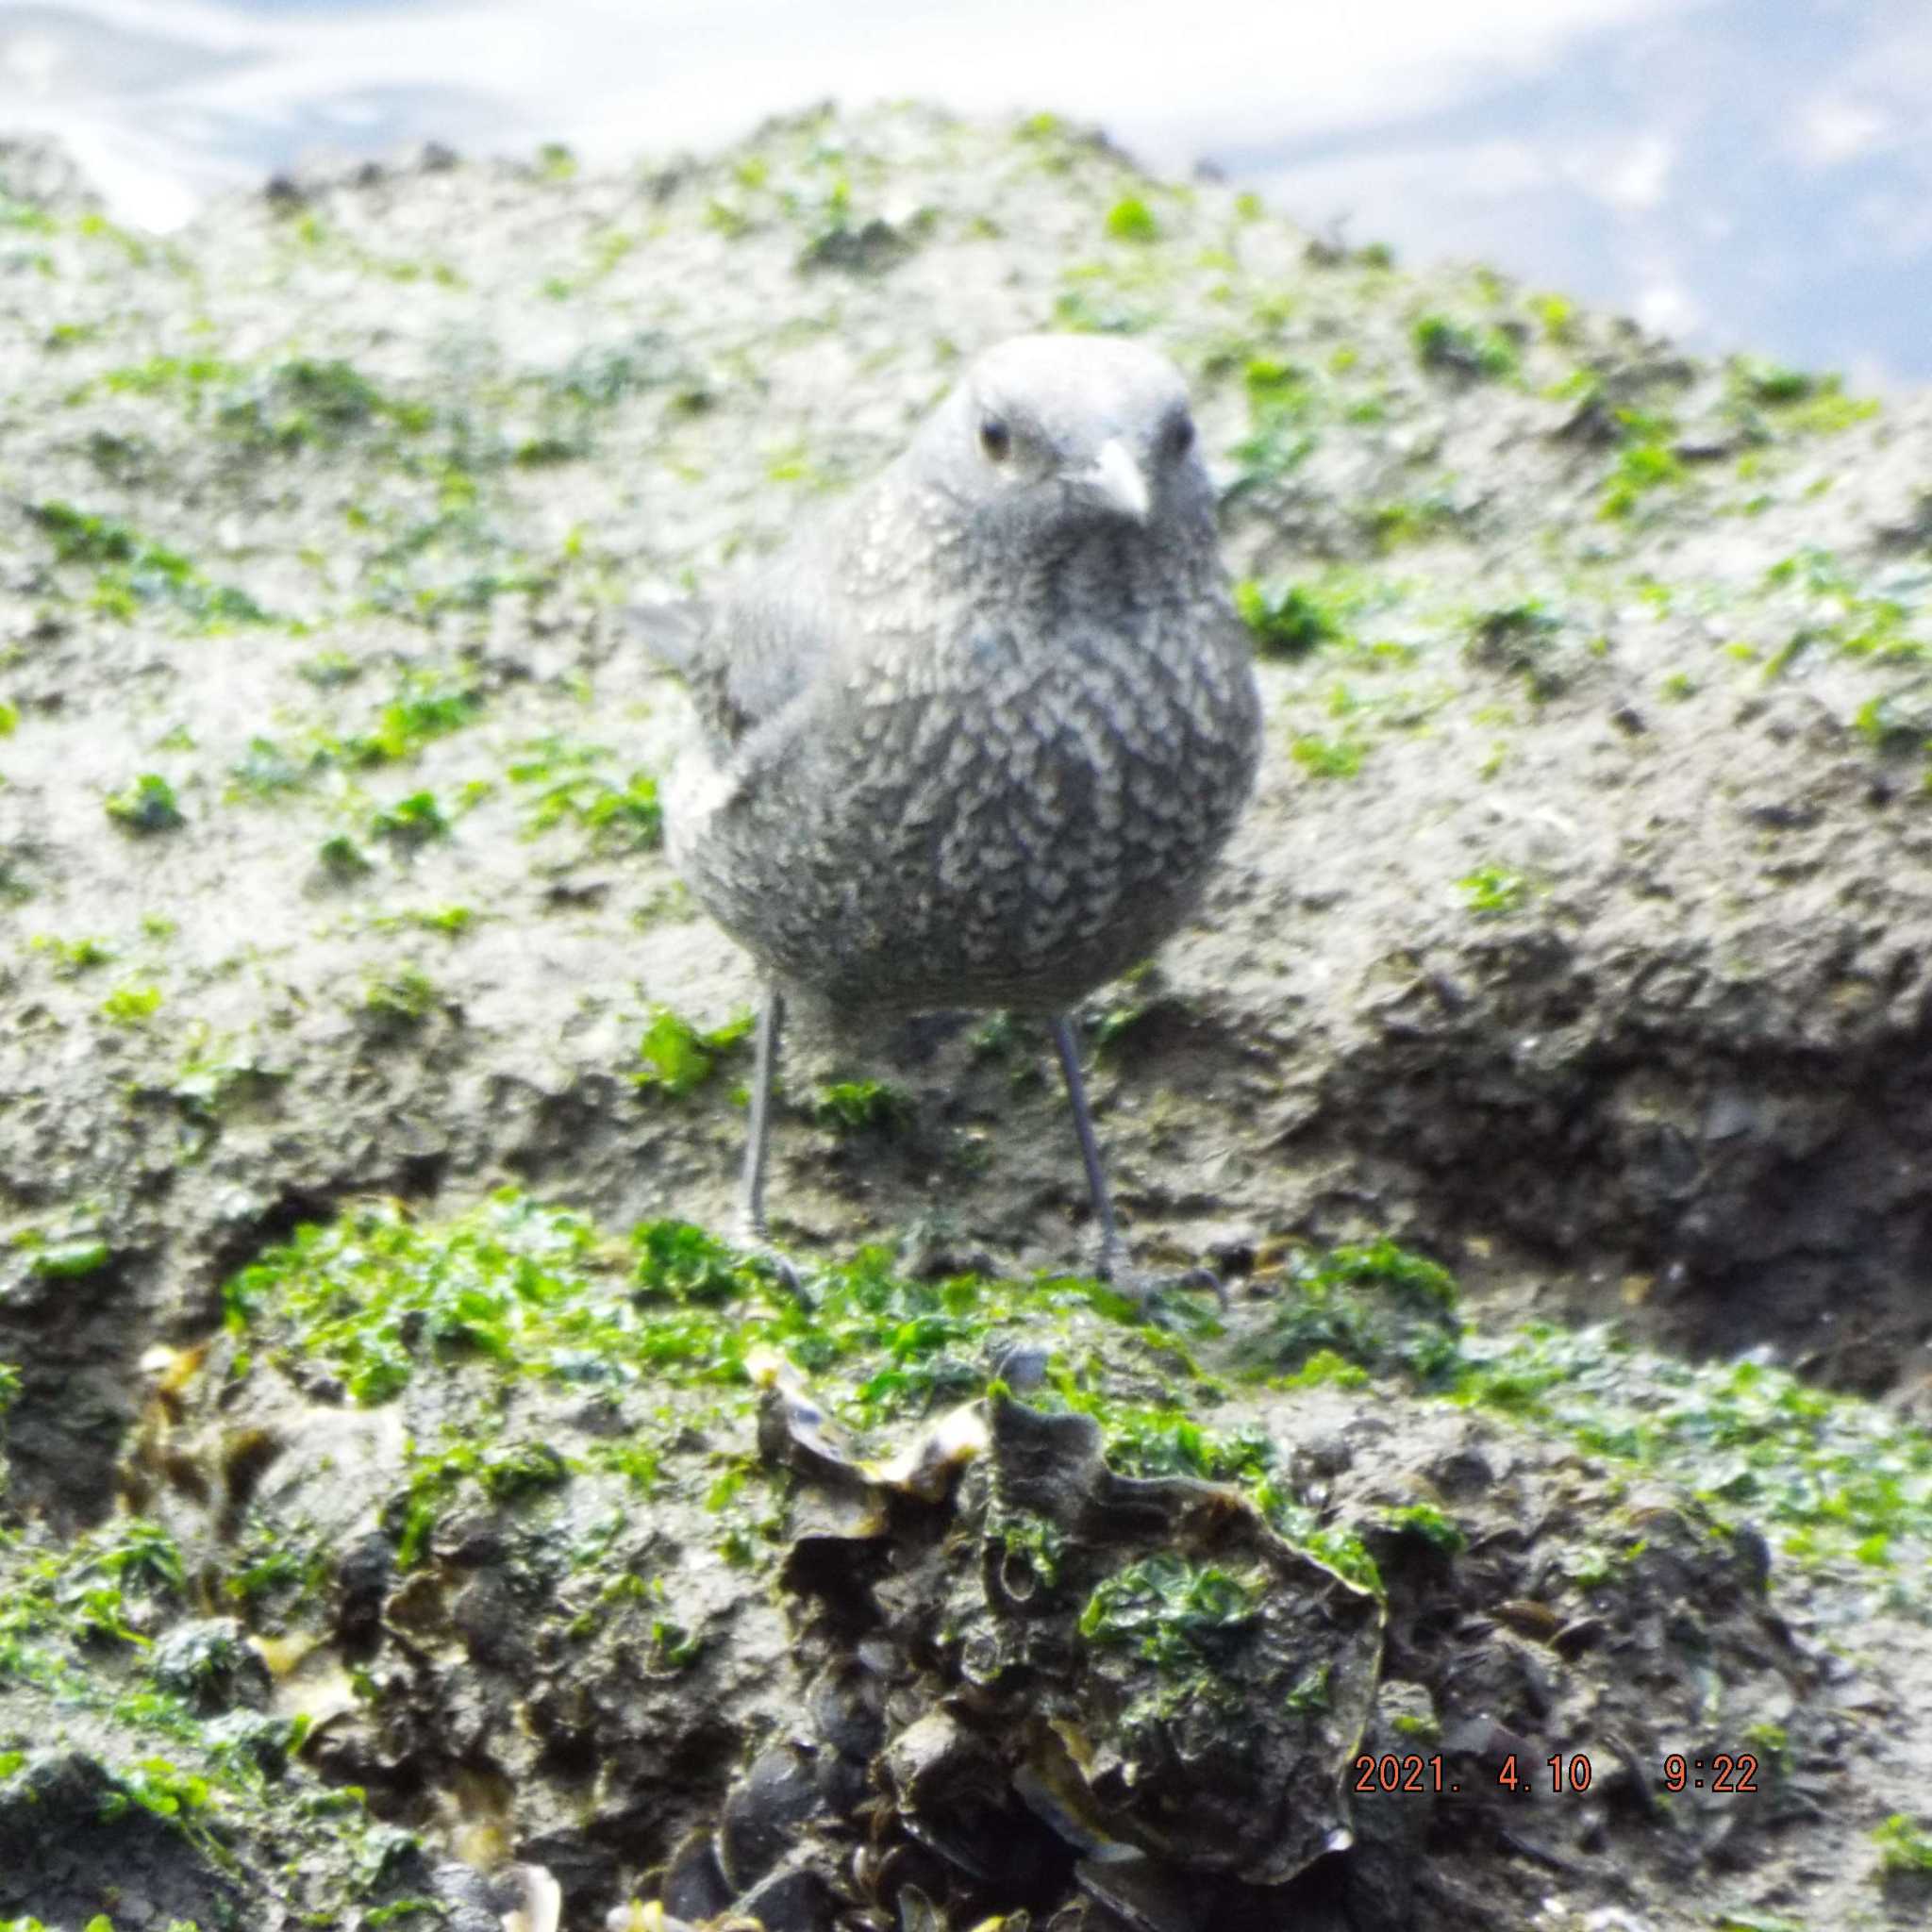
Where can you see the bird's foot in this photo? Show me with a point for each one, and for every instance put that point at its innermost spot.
(755, 1244)
(1147, 1288)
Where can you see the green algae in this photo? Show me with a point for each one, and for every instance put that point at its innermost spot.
(679, 1058)
(1462, 349)
(1132, 219)
(132, 1005)
(402, 1001)
(1284, 408)
(1641, 467)
(76, 1625)
(72, 1260)
(1769, 401)
(861, 1106)
(68, 959)
(267, 772)
(1397, 522)
(1492, 892)
(518, 1292)
(1904, 1848)
(1846, 617)
(1832, 1479)
(429, 705)
(538, 1294)
(1523, 639)
(1328, 757)
(99, 1922)
(618, 818)
(1183, 1618)
(1169, 1441)
(521, 1294)
(1441, 1531)
(411, 821)
(343, 860)
(1372, 1306)
(147, 804)
(1286, 619)
(131, 570)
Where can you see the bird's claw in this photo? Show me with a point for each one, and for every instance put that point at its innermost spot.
(1144, 1288)
(756, 1247)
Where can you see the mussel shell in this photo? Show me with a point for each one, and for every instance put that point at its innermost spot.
(693, 1887)
(848, 1708)
(1144, 1894)
(765, 1813)
(954, 1798)
(792, 1898)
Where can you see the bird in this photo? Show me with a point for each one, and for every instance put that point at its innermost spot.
(975, 738)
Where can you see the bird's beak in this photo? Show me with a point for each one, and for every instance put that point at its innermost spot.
(1117, 480)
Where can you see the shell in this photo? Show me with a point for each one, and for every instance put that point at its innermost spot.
(766, 1812)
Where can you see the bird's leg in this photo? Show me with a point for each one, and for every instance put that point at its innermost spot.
(751, 1200)
(1065, 1045)
(1114, 1266)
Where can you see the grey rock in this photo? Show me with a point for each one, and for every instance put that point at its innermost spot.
(468, 1898)
(210, 1662)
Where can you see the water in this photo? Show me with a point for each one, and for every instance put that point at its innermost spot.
(1745, 173)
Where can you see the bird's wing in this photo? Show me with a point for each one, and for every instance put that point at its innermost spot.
(750, 653)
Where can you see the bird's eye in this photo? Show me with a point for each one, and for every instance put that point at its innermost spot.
(995, 438)
(1180, 438)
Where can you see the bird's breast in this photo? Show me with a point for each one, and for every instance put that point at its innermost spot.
(994, 819)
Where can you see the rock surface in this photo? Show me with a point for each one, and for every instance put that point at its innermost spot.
(1578, 936)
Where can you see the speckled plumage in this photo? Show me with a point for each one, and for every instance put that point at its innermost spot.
(977, 740)
(976, 737)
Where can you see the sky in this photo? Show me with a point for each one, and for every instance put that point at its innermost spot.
(1749, 174)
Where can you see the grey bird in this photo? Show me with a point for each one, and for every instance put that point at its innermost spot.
(976, 737)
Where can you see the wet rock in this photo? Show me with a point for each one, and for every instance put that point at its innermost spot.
(71, 1833)
(41, 173)
(362, 1581)
(953, 1795)
(1571, 929)
(212, 1665)
(870, 249)
(1394, 1806)
(486, 1616)
(468, 1898)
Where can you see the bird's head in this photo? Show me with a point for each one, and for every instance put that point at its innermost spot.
(1069, 430)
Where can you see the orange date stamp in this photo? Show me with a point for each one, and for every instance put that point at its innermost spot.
(1726, 1772)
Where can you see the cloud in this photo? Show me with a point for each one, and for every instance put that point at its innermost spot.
(1638, 178)
(617, 77)
(1629, 174)
(1669, 308)
(32, 63)
(1375, 191)
(1835, 130)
